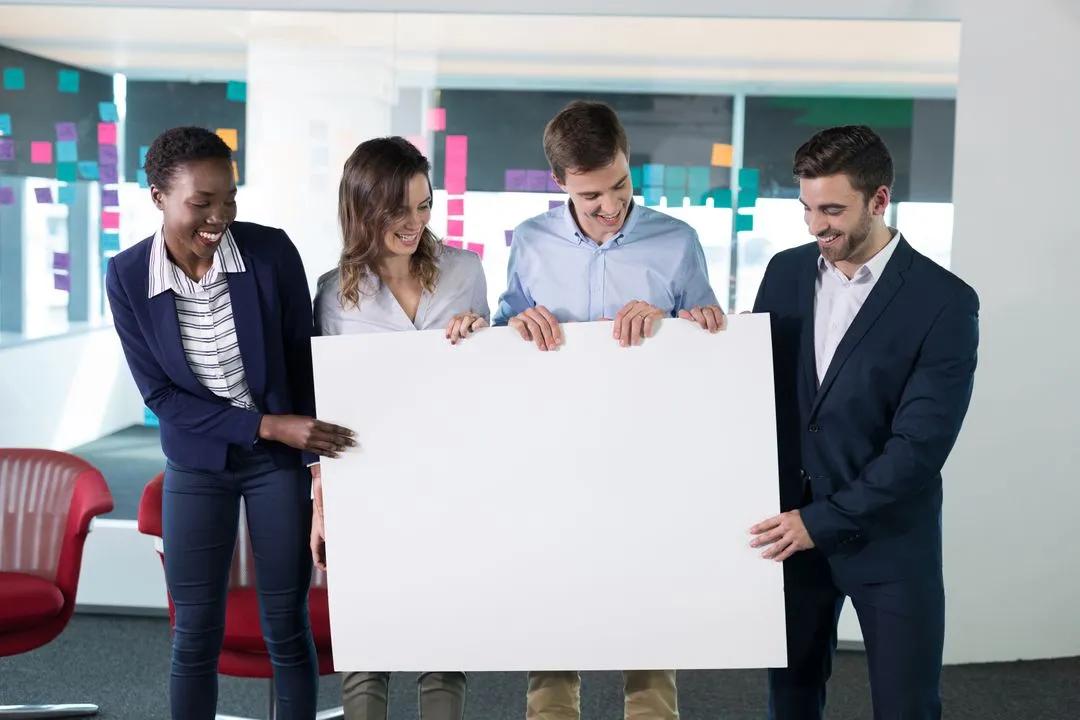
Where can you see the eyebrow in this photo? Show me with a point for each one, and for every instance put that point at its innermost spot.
(618, 182)
(827, 206)
(211, 194)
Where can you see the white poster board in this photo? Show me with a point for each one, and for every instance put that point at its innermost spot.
(588, 508)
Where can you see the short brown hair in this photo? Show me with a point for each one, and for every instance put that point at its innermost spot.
(584, 136)
(854, 150)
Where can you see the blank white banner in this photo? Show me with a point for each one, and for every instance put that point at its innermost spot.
(583, 509)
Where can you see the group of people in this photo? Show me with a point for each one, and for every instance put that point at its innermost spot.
(874, 356)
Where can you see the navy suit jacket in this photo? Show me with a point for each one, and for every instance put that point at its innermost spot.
(861, 455)
(271, 309)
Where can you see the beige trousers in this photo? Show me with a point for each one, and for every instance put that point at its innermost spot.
(648, 695)
(441, 695)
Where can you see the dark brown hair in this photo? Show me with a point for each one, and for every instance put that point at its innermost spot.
(179, 146)
(584, 136)
(854, 150)
(370, 198)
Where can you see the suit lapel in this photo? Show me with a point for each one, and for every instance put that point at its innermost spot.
(167, 331)
(884, 291)
(247, 318)
(807, 355)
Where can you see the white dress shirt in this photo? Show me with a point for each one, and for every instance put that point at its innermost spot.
(837, 300)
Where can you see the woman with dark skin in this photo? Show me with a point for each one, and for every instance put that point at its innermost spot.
(215, 320)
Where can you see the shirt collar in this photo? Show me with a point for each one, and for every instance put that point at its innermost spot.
(165, 275)
(874, 266)
(619, 238)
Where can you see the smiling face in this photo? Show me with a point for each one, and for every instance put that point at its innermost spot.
(405, 232)
(198, 206)
(600, 198)
(841, 218)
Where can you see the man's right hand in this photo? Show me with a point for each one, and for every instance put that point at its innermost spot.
(538, 325)
(306, 433)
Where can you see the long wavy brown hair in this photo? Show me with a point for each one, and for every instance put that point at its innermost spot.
(371, 199)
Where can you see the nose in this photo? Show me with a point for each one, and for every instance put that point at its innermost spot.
(817, 224)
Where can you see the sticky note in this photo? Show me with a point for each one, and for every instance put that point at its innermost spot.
(236, 91)
(61, 261)
(749, 177)
(674, 176)
(455, 228)
(536, 180)
(5, 124)
(65, 171)
(14, 78)
(457, 146)
(452, 243)
(106, 133)
(509, 235)
(454, 181)
(652, 195)
(721, 155)
(436, 119)
(698, 178)
(62, 281)
(552, 204)
(66, 131)
(7, 195)
(110, 220)
(41, 153)
(230, 136)
(88, 170)
(107, 154)
(721, 197)
(67, 81)
(516, 180)
(143, 149)
(748, 196)
(110, 242)
(744, 223)
(477, 248)
(455, 207)
(635, 176)
(108, 173)
(67, 151)
(140, 177)
(107, 112)
(43, 195)
(7, 149)
(652, 175)
(66, 195)
(110, 198)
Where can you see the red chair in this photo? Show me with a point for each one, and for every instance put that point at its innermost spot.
(243, 652)
(47, 500)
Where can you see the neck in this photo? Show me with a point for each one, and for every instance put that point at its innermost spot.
(880, 236)
(193, 266)
(397, 268)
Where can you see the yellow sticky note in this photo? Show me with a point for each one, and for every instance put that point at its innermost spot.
(721, 154)
(230, 137)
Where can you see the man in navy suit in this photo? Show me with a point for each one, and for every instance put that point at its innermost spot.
(874, 351)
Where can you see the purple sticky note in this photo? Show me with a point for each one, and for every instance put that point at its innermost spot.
(61, 261)
(552, 204)
(552, 186)
(44, 195)
(110, 198)
(515, 180)
(536, 181)
(509, 236)
(7, 195)
(107, 154)
(7, 149)
(62, 281)
(66, 131)
(108, 173)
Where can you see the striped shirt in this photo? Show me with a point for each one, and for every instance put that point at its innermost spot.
(204, 311)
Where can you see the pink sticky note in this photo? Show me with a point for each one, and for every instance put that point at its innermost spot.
(436, 119)
(106, 133)
(110, 220)
(455, 207)
(455, 185)
(477, 248)
(450, 242)
(41, 153)
(455, 228)
(457, 147)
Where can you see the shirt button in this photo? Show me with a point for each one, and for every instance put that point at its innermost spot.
(813, 427)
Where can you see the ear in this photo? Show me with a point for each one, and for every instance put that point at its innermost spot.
(558, 182)
(880, 202)
(158, 197)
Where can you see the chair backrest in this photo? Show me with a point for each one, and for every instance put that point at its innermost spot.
(36, 487)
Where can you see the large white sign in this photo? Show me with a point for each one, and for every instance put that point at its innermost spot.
(582, 509)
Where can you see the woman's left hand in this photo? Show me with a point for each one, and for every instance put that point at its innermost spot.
(463, 325)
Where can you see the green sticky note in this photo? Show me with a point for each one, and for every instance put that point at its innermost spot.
(635, 175)
(744, 223)
(66, 171)
(721, 197)
(698, 178)
(652, 195)
(66, 195)
(748, 196)
(67, 81)
(749, 177)
(675, 176)
(14, 78)
(236, 91)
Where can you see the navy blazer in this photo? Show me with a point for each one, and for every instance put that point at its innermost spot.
(861, 455)
(271, 309)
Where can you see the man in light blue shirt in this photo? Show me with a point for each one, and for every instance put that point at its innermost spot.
(600, 256)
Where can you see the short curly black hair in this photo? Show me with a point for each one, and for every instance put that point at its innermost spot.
(178, 146)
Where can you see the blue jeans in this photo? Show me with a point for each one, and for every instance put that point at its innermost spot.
(200, 512)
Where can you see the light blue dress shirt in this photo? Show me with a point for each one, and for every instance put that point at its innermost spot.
(654, 258)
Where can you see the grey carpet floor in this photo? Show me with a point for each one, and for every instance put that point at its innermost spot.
(122, 663)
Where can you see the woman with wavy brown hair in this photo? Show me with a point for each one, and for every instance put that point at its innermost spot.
(395, 275)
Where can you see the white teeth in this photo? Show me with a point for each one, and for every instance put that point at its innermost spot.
(209, 236)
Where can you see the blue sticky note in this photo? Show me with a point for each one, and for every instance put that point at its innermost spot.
(14, 78)
(110, 242)
(652, 195)
(652, 175)
(721, 197)
(66, 195)
(674, 176)
(67, 151)
(67, 81)
(236, 91)
(65, 171)
(5, 124)
(698, 178)
(143, 149)
(744, 223)
(107, 112)
(748, 196)
(635, 175)
(144, 182)
(749, 177)
(88, 170)
(149, 418)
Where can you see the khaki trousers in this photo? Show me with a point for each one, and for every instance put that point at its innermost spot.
(441, 695)
(648, 695)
